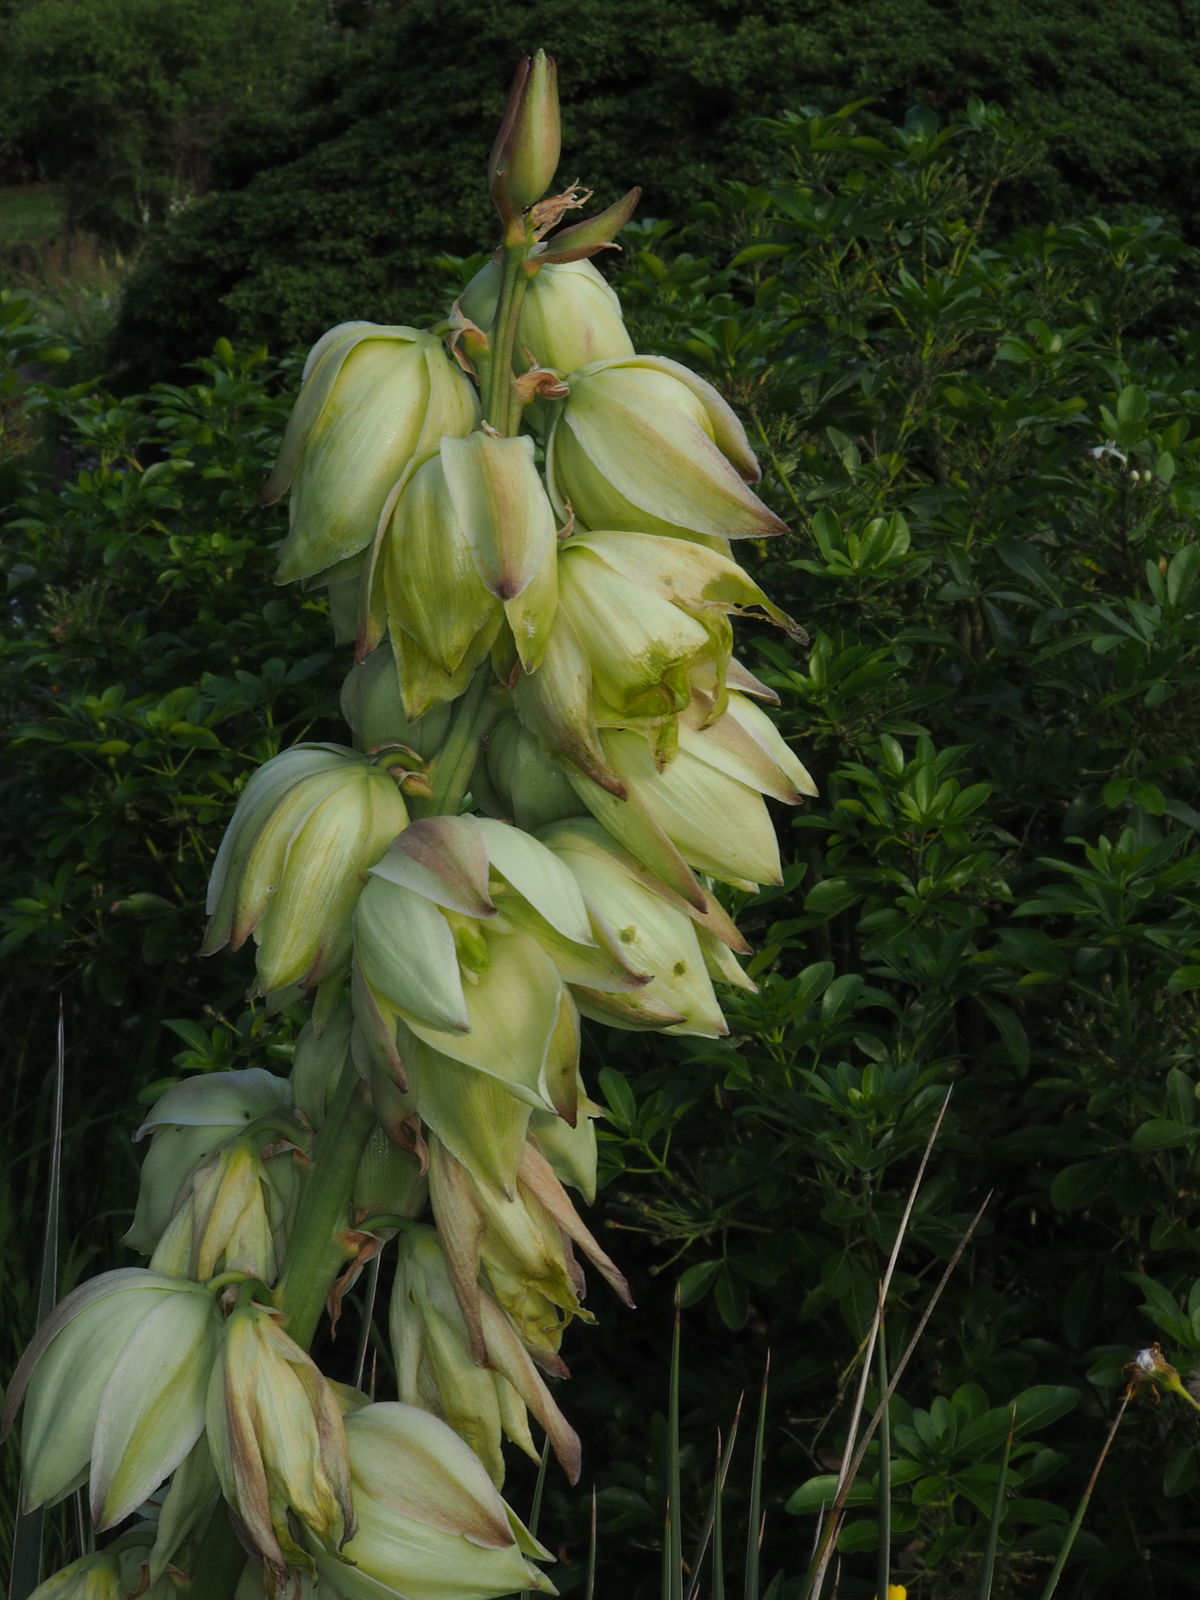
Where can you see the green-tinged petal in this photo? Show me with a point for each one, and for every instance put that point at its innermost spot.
(187, 1506)
(424, 686)
(500, 502)
(538, 875)
(719, 825)
(305, 933)
(639, 644)
(555, 705)
(218, 1100)
(635, 446)
(689, 574)
(571, 1152)
(632, 823)
(527, 782)
(322, 368)
(430, 584)
(722, 964)
(657, 938)
(531, 614)
(234, 905)
(152, 1409)
(62, 1376)
(393, 393)
(445, 859)
(408, 1465)
(513, 1009)
(475, 1116)
(405, 948)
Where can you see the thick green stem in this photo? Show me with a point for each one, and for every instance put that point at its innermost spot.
(317, 1250)
(501, 407)
(450, 770)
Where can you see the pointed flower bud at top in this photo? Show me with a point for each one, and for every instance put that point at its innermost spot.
(113, 1386)
(525, 155)
(431, 1525)
(569, 316)
(644, 444)
(277, 1440)
(373, 399)
(307, 825)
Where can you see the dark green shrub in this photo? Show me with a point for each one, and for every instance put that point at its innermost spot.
(336, 210)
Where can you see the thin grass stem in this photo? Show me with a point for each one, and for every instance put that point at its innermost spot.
(988, 1568)
(1081, 1509)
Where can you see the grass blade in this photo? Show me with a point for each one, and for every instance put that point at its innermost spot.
(883, 1566)
(368, 1314)
(712, 1515)
(993, 1538)
(815, 1578)
(754, 1530)
(673, 1541)
(28, 1530)
(1081, 1509)
(590, 1587)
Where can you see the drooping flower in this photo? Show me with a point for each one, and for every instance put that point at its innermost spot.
(430, 1524)
(374, 399)
(642, 443)
(437, 1368)
(466, 938)
(277, 1440)
(307, 825)
(113, 1387)
(570, 316)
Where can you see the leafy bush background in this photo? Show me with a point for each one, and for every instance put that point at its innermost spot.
(334, 208)
(982, 435)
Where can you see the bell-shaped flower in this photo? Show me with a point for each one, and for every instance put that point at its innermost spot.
(642, 443)
(430, 1524)
(520, 1247)
(466, 544)
(188, 1125)
(466, 937)
(113, 1387)
(307, 825)
(373, 399)
(277, 1440)
(643, 626)
(481, 1380)
(570, 316)
(703, 809)
(656, 930)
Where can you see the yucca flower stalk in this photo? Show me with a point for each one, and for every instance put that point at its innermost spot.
(525, 526)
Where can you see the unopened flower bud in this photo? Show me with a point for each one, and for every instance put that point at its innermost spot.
(525, 155)
(307, 825)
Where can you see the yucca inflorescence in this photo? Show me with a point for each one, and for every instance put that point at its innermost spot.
(524, 525)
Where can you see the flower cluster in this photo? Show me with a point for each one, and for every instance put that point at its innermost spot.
(526, 528)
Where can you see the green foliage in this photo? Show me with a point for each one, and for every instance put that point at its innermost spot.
(991, 467)
(146, 669)
(119, 100)
(336, 208)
